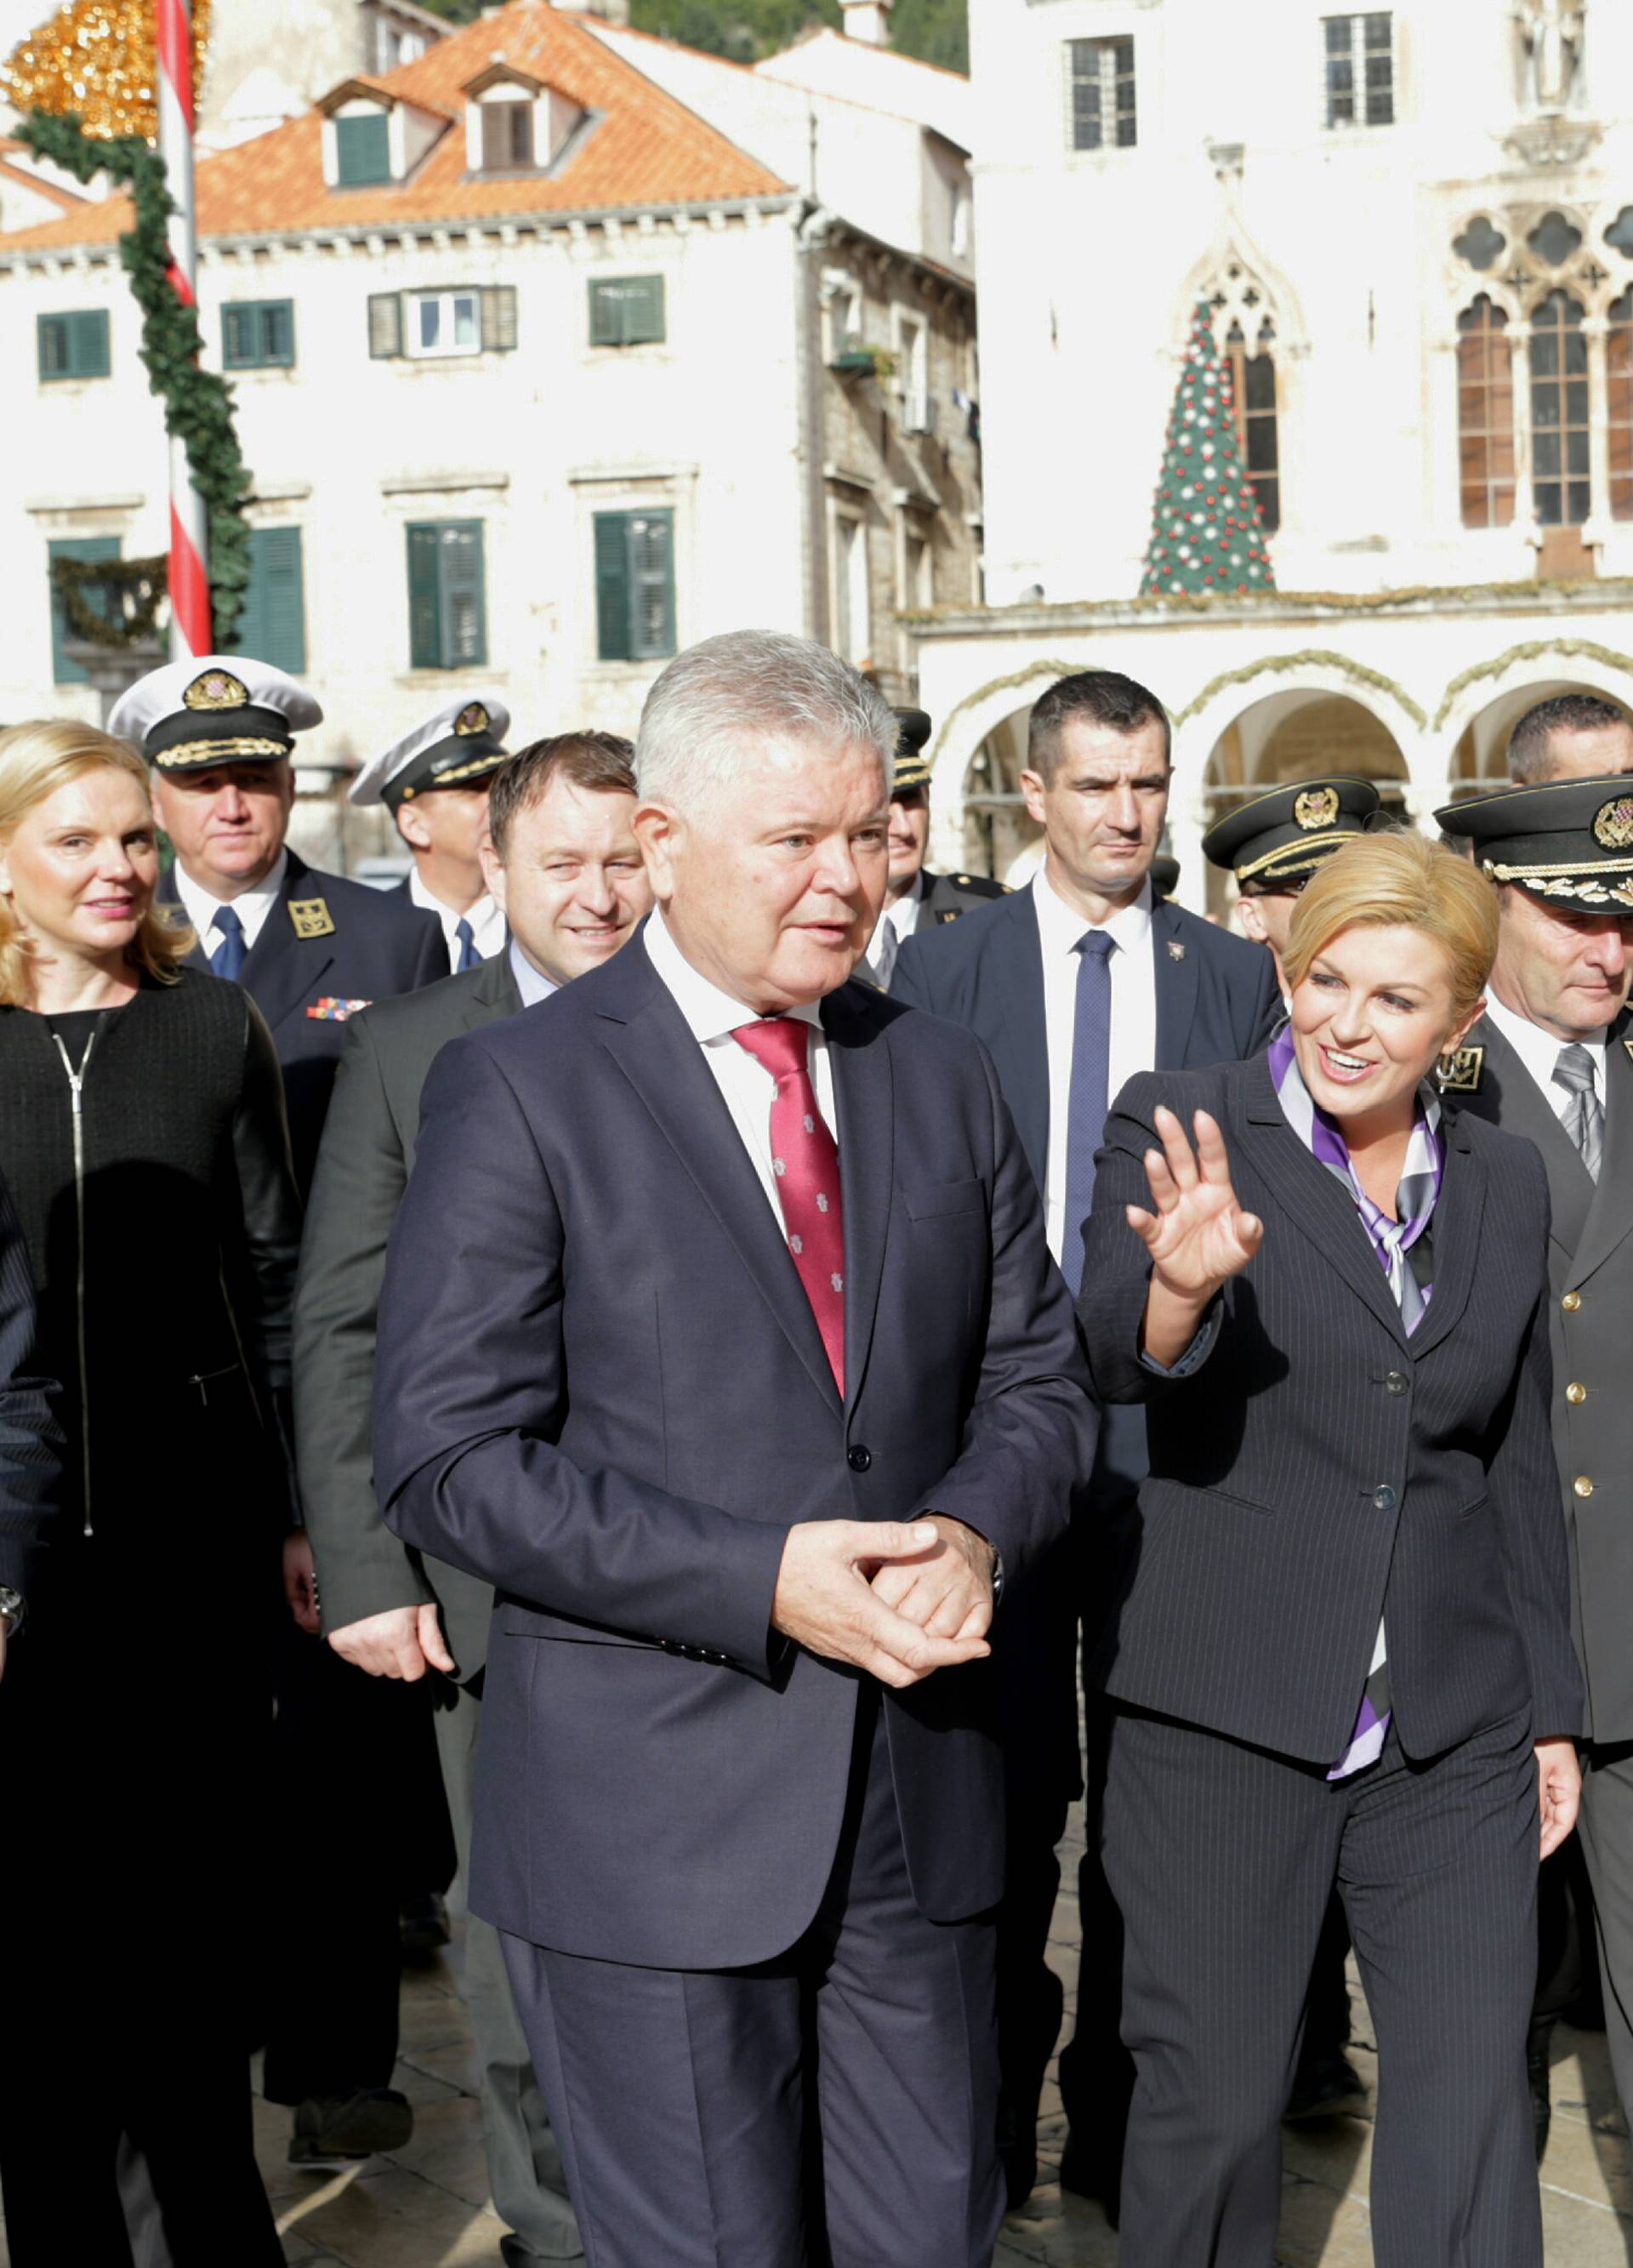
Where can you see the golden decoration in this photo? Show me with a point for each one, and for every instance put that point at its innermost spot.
(98, 59)
(1613, 823)
(312, 918)
(217, 689)
(1318, 807)
(472, 719)
(1461, 1070)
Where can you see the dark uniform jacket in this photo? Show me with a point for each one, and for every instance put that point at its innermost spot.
(363, 1164)
(31, 1440)
(944, 897)
(1591, 1311)
(335, 946)
(1319, 1468)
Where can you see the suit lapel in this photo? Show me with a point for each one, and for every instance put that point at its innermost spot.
(169, 896)
(495, 994)
(1456, 1232)
(280, 968)
(1177, 976)
(864, 1096)
(1018, 1038)
(1610, 1215)
(1316, 1200)
(655, 1052)
(1509, 1097)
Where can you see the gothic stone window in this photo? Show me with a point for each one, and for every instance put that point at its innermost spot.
(1253, 389)
(1561, 475)
(1485, 414)
(1100, 84)
(1619, 403)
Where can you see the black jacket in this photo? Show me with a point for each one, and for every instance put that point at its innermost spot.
(1320, 1468)
(364, 1164)
(31, 1440)
(165, 1269)
(335, 946)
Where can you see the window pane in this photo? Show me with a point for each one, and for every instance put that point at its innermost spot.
(430, 321)
(1378, 33)
(467, 325)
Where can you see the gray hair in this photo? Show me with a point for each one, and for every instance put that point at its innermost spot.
(1528, 761)
(716, 699)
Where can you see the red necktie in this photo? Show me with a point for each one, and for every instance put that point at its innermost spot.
(804, 1158)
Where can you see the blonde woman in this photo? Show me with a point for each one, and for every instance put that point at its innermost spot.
(1344, 1655)
(142, 1135)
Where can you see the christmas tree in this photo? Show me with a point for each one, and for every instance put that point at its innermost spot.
(1206, 532)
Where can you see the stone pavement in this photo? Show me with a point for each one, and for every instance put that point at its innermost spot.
(426, 2206)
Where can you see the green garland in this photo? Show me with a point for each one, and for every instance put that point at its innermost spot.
(198, 403)
(130, 592)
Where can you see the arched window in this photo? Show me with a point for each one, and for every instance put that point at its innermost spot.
(1253, 389)
(1562, 482)
(1485, 414)
(1619, 404)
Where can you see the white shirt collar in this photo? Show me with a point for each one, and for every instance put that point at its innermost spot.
(1060, 926)
(252, 907)
(1539, 1050)
(711, 1015)
(532, 985)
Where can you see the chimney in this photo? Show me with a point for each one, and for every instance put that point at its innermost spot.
(868, 21)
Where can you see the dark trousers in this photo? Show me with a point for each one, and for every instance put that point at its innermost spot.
(834, 2106)
(1222, 1858)
(1606, 1838)
(354, 1764)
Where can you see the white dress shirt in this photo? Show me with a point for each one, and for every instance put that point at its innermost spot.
(252, 907)
(747, 1088)
(1539, 1052)
(1133, 1045)
(531, 986)
(486, 918)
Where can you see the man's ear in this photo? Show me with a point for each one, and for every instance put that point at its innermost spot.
(1032, 788)
(492, 871)
(660, 833)
(412, 827)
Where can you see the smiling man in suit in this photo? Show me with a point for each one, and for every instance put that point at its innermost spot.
(1075, 985)
(719, 1334)
(1552, 1058)
(564, 866)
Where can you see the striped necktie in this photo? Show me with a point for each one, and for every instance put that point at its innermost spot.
(1585, 1116)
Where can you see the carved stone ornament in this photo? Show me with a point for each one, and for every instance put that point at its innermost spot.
(1551, 34)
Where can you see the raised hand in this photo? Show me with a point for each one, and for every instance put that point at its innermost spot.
(1198, 1236)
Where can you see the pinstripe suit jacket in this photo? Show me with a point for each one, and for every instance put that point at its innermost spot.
(1318, 1467)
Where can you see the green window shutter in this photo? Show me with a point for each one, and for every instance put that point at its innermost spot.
(464, 595)
(278, 333)
(238, 337)
(88, 332)
(258, 334)
(499, 317)
(53, 337)
(643, 311)
(273, 627)
(362, 151)
(651, 583)
(425, 598)
(611, 586)
(385, 324)
(606, 315)
(64, 672)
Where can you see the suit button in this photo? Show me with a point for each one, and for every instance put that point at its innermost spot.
(1583, 1486)
(1576, 1391)
(1385, 1498)
(1396, 1382)
(1572, 1301)
(858, 1459)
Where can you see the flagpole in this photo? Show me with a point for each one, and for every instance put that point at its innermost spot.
(189, 580)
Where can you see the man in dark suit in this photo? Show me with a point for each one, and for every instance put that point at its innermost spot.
(434, 782)
(564, 866)
(1552, 1058)
(914, 898)
(311, 949)
(719, 1335)
(1075, 985)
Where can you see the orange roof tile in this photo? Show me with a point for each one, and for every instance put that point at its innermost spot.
(53, 191)
(645, 149)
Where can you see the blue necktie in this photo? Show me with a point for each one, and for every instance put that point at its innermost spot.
(228, 958)
(469, 958)
(1086, 1122)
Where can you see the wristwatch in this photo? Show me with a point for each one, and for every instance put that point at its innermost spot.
(11, 1610)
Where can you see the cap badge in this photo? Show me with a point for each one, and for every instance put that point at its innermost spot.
(1461, 1072)
(311, 918)
(1613, 823)
(472, 719)
(217, 689)
(1317, 806)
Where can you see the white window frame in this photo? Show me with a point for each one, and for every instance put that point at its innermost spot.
(912, 345)
(1357, 20)
(845, 308)
(448, 300)
(853, 623)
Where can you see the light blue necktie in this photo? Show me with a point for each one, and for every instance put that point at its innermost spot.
(1085, 1121)
(228, 956)
(469, 958)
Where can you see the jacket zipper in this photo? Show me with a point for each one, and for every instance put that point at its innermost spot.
(77, 1084)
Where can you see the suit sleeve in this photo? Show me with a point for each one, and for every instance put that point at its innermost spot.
(1030, 1436)
(361, 1175)
(271, 1210)
(31, 1442)
(1266, 1010)
(910, 978)
(1523, 1480)
(1117, 1267)
(471, 1396)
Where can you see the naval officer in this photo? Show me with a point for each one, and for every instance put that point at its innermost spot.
(434, 784)
(916, 899)
(1550, 1059)
(1274, 845)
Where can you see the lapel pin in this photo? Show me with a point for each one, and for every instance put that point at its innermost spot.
(1176, 949)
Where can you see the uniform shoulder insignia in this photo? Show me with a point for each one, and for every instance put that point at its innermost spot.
(1627, 1044)
(311, 918)
(1461, 1072)
(948, 913)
